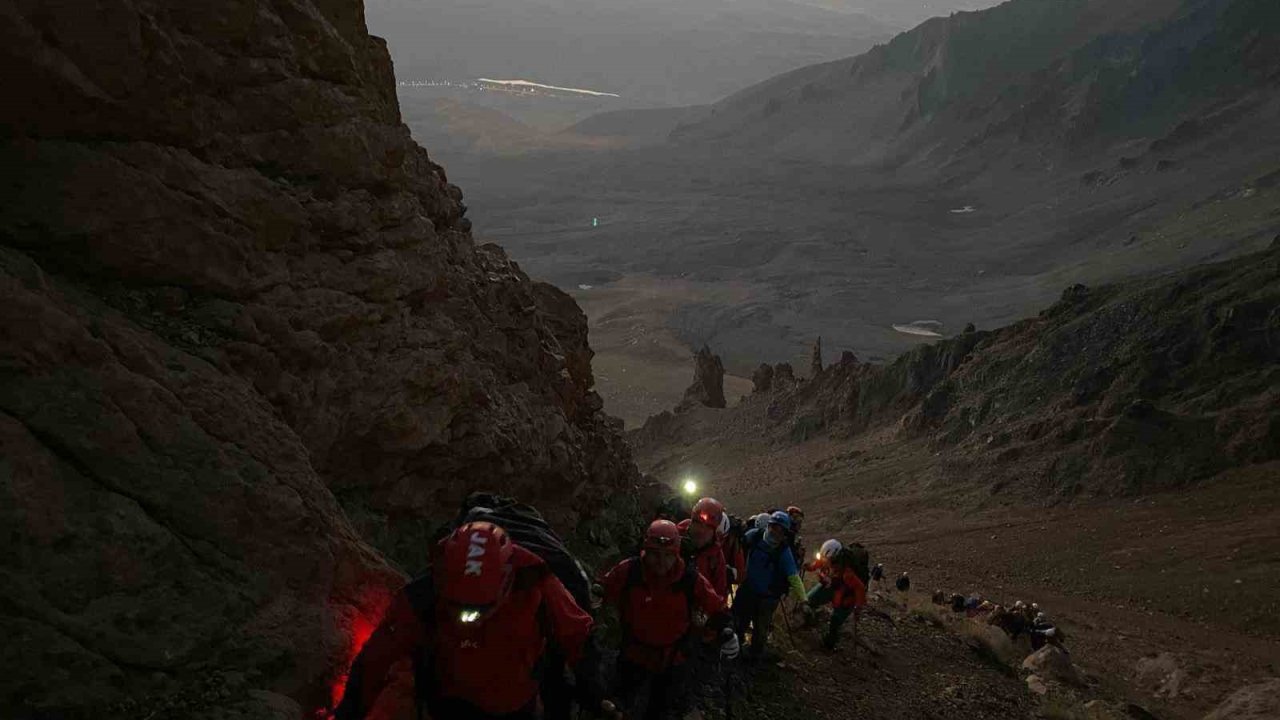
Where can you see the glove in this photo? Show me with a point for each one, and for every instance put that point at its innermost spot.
(729, 647)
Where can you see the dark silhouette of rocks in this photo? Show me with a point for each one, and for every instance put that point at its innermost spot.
(707, 389)
(250, 350)
(784, 377)
(815, 364)
(762, 378)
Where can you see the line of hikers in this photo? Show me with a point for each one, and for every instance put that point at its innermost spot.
(504, 611)
(1014, 620)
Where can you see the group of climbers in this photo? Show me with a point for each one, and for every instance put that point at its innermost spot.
(503, 614)
(1015, 620)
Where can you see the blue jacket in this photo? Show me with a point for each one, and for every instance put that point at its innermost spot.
(769, 570)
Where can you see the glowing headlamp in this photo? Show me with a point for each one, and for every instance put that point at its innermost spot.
(690, 486)
(468, 616)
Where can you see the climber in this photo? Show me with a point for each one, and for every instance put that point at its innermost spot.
(1044, 632)
(822, 559)
(904, 583)
(476, 627)
(731, 545)
(939, 597)
(877, 572)
(703, 548)
(771, 573)
(841, 586)
(797, 542)
(657, 596)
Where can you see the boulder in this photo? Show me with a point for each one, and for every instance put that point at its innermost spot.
(1162, 675)
(1260, 701)
(1037, 685)
(1052, 664)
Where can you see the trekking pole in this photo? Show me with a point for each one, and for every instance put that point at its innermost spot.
(857, 615)
(726, 669)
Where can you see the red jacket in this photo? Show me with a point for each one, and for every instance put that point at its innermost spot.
(656, 611)
(850, 590)
(711, 563)
(489, 665)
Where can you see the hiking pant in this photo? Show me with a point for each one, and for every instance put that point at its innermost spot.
(666, 690)
(821, 595)
(557, 693)
(756, 612)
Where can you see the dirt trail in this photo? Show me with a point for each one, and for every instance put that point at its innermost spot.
(903, 667)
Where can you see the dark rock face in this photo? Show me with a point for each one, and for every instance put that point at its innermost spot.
(245, 330)
(708, 381)
(815, 364)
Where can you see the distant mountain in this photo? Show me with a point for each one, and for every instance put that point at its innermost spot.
(904, 13)
(653, 52)
(1041, 73)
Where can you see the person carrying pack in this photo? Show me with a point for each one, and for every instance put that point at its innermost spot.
(702, 548)
(477, 626)
(877, 572)
(657, 596)
(771, 574)
(731, 536)
(529, 530)
(797, 539)
(844, 587)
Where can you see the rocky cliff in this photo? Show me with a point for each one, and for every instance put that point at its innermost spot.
(249, 349)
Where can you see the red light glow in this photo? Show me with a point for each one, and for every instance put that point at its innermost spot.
(365, 617)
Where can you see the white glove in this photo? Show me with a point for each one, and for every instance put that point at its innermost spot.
(729, 648)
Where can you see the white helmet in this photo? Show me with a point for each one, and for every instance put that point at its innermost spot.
(762, 521)
(829, 549)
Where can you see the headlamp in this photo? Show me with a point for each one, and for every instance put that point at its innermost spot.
(468, 616)
(690, 487)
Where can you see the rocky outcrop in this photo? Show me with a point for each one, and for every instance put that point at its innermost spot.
(707, 389)
(762, 379)
(246, 331)
(784, 376)
(815, 362)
